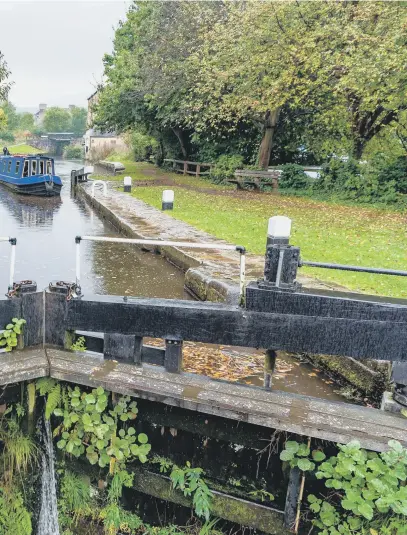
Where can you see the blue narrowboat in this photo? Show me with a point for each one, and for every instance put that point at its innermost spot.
(30, 175)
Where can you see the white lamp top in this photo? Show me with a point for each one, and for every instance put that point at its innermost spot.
(127, 180)
(279, 227)
(168, 195)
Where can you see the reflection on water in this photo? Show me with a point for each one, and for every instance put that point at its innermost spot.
(45, 230)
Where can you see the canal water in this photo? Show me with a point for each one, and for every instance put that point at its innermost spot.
(45, 230)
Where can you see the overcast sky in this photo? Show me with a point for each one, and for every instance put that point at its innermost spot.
(54, 48)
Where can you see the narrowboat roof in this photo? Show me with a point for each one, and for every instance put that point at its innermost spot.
(27, 156)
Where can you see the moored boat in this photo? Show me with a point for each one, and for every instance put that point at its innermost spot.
(30, 175)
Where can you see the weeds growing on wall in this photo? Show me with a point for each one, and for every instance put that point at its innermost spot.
(8, 337)
(19, 456)
(366, 491)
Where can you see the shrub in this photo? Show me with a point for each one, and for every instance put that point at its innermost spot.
(366, 182)
(395, 172)
(293, 177)
(225, 167)
(367, 493)
(73, 152)
(7, 136)
(143, 146)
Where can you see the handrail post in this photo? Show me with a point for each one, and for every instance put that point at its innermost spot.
(13, 242)
(78, 260)
(185, 168)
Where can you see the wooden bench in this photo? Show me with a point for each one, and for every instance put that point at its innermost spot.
(256, 179)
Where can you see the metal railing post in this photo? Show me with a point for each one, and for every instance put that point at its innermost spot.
(78, 260)
(13, 242)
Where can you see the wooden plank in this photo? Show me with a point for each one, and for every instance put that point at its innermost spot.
(224, 506)
(333, 421)
(326, 303)
(23, 365)
(228, 325)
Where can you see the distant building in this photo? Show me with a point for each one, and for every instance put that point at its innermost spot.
(39, 115)
(98, 145)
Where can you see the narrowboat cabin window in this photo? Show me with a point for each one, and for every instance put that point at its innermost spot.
(41, 167)
(25, 170)
(17, 167)
(4, 166)
(9, 166)
(49, 167)
(33, 167)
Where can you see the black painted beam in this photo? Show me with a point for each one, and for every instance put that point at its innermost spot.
(228, 325)
(326, 303)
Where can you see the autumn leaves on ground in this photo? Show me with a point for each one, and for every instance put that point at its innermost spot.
(326, 232)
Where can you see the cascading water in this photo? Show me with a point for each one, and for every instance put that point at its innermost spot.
(48, 519)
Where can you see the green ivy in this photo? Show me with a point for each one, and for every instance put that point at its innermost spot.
(367, 490)
(90, 427)
(8, 337)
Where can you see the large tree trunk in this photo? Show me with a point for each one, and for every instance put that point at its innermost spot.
(358, 148)
(270, 123)
(181, 139)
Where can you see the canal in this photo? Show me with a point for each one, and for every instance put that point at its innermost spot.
(45, 230)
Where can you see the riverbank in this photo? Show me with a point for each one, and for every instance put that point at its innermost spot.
(326, 232)
(22, 148)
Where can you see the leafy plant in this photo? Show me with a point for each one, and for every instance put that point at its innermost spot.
(190, 482)
(293, 177)
(19, 450)
(261, 494)
(79, 345)
(367, 490)
(14, 517)
(8, 337)
(90, 426)
(225, 167)
(73, 152)
(297, 454)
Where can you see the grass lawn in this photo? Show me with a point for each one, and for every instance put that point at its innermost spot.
(24, 149)
(326, 232)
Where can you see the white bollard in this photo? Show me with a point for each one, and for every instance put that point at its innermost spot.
(127, 184)
(279, 227)
(168, 199)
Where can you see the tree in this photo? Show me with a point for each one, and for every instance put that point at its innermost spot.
(26, 121)
(193, 73)
(57, 120)
(78, 120)
(4, 82)
(342, 62)
(147, 74)
(11, 114)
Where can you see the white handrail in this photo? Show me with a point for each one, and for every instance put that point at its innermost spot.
(98, 183)
(161, 243)
(13, 243)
